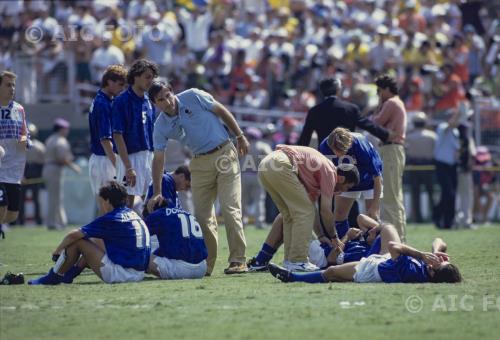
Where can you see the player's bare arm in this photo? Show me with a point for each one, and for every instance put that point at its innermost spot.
(228, 119)
(130, 175)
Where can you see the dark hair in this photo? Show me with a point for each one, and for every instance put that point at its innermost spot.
(349, 172)
(115, 193)
(184, 170)
(139, 67)
(156, 88)
(387, 82)
(419, 124)
(114, 73)
(448, 273)
(162, 204)
(329, 86)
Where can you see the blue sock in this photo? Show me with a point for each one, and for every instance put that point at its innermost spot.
(70, 275)
(342, 227)
(314, 277)
(265, 254)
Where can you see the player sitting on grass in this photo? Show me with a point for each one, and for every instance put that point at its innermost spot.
(400, 263)
(126, 247)
(182, 252)
(358, 243)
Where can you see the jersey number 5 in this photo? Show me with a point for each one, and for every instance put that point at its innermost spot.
(190, 225)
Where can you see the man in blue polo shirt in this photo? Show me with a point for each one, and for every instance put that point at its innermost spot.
(102, 161)
(400, 264)
(133, 117)
(123, 255)
(182, 252)
(344, 146)
(193, 117)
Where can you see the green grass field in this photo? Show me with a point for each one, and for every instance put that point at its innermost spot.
(252, 306)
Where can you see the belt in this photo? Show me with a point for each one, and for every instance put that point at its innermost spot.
(390, 143)
(217, 148)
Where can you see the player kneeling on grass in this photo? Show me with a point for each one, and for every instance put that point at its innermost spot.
(398, 264)
(357, 243)
(182, 252)
(124, 255)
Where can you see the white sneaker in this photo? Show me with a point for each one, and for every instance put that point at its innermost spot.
(300, 266)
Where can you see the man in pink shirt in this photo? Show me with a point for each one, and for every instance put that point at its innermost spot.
(392, 116)
(295, 177)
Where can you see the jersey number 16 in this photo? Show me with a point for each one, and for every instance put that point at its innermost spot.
(190, 225)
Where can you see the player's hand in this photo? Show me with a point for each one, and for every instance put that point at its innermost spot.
(242, 145)
(153, 201)
(431, 259)
(443, 256)
(325, 240)
(338, 244)
(23, 141)
(130, 177)
(353, 233)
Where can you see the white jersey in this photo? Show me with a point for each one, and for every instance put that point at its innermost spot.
(12, 126)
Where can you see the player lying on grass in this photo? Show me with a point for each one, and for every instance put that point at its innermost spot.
(182, 252)
(400, 263)
(357, 243)
(123, 253)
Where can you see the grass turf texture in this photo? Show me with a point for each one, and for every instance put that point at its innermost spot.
(251, 306)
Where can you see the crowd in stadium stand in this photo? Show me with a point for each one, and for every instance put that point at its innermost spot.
(271, 54)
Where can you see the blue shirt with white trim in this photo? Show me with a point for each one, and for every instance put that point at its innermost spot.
(179, 235)
(405, 269)
(100, 123)
(195, 125)
(363, 155)
(133, 117)
(167, 191)
(125, 236)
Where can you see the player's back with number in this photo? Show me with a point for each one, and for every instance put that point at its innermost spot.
(125, 235)
(182, 252)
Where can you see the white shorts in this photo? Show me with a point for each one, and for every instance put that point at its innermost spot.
(367, 268)
(141, 163)
(170, 269)
(114, 273)
(317, 254)
(364, 194)
(101, 171)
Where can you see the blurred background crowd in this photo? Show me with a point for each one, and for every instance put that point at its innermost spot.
(264, 59)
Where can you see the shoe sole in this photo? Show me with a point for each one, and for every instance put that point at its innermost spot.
(258, 269)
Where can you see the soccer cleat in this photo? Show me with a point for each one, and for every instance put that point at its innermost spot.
(50, 279)
(12, 279)
(255, 266)
(280, 273)
(71, 274)
(300, 266)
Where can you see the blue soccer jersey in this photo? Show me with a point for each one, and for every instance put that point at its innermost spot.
(404, 269)
(100, 123)
(125, 236)
(168, 191)
(179, 235)
(133, 117)
(362, 154)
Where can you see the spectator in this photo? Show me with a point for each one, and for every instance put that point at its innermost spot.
(419, 142)
(104, 56)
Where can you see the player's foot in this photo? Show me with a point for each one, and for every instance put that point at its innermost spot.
(255, 266)
(71, 274)
(236, 268)
(12, 279)
(280, 273)
(50, 279)
(300, 266)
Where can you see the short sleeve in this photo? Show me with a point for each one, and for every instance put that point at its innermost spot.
(160, 138)
(94, 229)
(205, 99)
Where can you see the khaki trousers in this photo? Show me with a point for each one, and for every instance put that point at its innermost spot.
(218, 175)
(393, 209)
(278, 177)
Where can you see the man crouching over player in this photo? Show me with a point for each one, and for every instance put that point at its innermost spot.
(182, 252)
(399, 264)
(124, 255)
